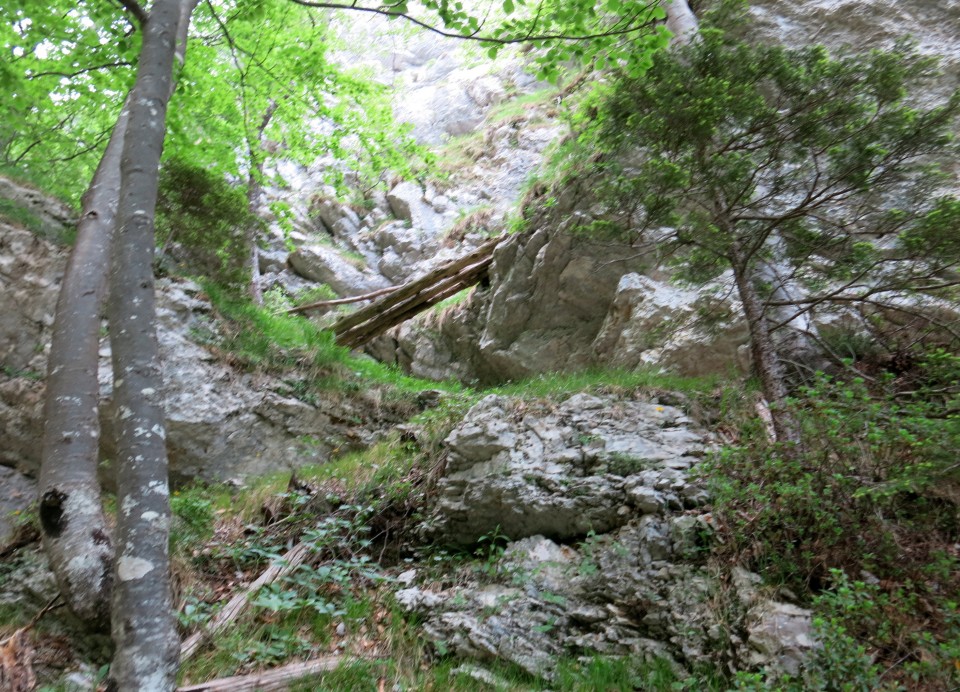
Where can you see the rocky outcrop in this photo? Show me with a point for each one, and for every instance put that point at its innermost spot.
(221, 422)
(559, 300)
(590, 464)
(690, 331)
(326, 265)
(51, 218)
(609, 538)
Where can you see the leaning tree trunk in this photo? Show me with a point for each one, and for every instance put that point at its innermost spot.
(144, 626)
(766, 362)
(75, 534)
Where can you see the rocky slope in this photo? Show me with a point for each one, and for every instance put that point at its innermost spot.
(556, 301)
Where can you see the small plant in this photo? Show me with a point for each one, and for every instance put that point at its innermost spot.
(204, 222)
(193, 517)
(490, 547)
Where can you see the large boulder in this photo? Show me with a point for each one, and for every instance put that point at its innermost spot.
(325, 265)
(657, 323)
(588, 465)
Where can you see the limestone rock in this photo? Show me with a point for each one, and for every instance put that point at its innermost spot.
(560, 472)
(780, 636)
(326, 265)
(337, 219)
(407, 203)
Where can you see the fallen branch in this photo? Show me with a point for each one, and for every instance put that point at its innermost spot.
(343, 301)
(268, 680)
(236, 605)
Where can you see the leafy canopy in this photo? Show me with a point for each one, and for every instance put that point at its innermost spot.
(728, 155)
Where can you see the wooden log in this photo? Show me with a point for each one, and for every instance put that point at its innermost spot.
(236, 605)
(268, 680)
(410, 289)
(396, 314)
(343, 301)
(389, 316)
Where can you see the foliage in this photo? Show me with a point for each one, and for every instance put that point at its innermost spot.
(873, 458)
(734, 156)
(262, 338)
(63, 80)
(193, 516)
(203, 222)
(874, 492)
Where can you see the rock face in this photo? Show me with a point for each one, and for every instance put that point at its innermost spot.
(608, 548)
(589, 465)
(557, 302)
(221, 423)
(327, 266)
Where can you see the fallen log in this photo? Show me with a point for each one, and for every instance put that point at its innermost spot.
(278, 569)
(268, 680)
(425, 299)
(414, 287)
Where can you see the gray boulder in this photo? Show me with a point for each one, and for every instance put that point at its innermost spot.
(326, 265)
(563, 471)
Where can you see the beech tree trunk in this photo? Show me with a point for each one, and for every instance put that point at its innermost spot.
(75, 534)
(254, 195)
(143, 622)
(681, 21)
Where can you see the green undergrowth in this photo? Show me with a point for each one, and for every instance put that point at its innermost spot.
(256, 337)
(861, 521)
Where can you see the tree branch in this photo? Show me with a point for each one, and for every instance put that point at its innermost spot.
(134, 8)
(474, 36)
(71, 75)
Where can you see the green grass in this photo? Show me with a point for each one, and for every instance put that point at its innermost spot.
(520, 105)
(552, 385)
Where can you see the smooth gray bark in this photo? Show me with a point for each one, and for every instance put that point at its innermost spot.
(143, 622)
(681, 21)
(75, 534)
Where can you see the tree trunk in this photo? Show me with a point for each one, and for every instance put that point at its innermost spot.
(798, 341)
(75, 534)
(766, 362)
(143, 623)
(681, 21)
(254, 195)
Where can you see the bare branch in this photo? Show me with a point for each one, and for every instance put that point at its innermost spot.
(71, 75)
(342, 301)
